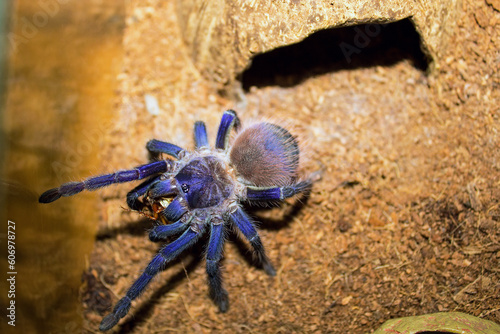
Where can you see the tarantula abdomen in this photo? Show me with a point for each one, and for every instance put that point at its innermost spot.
(266, 155)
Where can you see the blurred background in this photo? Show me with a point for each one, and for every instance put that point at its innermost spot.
(58, 64)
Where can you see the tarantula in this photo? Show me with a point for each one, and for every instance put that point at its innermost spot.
(201, 191)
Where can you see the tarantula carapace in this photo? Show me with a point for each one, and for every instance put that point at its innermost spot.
(201, 191)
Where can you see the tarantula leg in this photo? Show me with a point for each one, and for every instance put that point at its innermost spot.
(174, 211)
(157, 146)
(162, 232)
(161, 189)
(200, 135)
(73, 188)
(137, 192)
(214, 254)
(228, 121)
(166, 255)
(245, 225)
(276, 193)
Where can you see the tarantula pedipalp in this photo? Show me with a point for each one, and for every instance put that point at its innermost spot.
(203, 190)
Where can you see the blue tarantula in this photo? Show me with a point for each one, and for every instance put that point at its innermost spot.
(201, 191)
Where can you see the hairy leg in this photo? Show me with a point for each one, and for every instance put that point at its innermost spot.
(228, 121)
(140, 190)
(214, 254)
(245, 225)
(157, 146)
(174, 211)
(200, 135)
(93, 183)
(276, 193)
(166, 255)
(162, 232)
(161, 188)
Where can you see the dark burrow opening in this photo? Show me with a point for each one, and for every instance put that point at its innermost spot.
(335, 49)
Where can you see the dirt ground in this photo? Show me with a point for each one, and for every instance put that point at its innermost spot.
(405, 220)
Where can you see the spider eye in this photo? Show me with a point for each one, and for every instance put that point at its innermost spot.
(185, 188)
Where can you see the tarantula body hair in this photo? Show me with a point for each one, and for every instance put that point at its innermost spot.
(201, 191)
(266, 155)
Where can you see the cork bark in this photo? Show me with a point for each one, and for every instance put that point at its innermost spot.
(223, 36)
